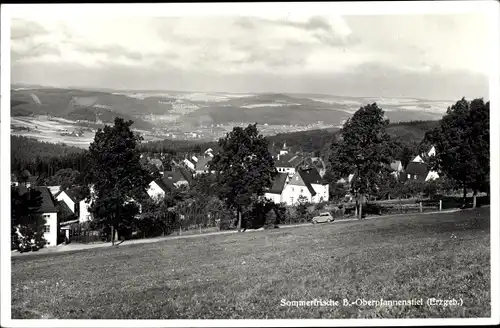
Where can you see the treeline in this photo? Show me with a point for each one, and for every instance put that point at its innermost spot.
(44, 158)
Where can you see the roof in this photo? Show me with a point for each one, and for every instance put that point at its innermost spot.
(73, 193)
(418, 169)
(288, 161)
(202, 163)
(164, 184)
(174, 176)
(309, 177)
(186, 174)
(278, 183)
(48, 204)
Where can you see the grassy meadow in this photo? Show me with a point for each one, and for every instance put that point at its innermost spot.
(245, 276)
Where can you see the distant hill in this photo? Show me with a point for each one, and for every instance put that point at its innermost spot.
(405, 133)
(213, 108)
(61, 103)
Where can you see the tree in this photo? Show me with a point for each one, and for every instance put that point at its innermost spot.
(66, 178)
(117, 176)
(158, 218)
(244, 168)
(26, 221)
(462, 145)
(363, 149)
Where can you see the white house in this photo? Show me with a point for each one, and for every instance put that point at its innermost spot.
(157, 189)
(48, 211)
(306, 184)
(202, 166)
(189, 164)
(288, 164)
(284, 150)
(274, 193)
(76, 203)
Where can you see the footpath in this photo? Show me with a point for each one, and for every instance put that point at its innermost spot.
(78, 247)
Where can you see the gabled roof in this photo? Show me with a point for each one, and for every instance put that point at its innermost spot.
(174, 176)
(73, 194)
(419, 169)
(278, 183)
(164, 184)
(48, 203)
(202, 163)
(288, 161)
(186, 174)
(310, 176)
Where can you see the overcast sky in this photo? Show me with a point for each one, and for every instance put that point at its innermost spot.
(428, 56)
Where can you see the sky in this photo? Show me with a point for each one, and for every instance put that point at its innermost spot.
(443, 56)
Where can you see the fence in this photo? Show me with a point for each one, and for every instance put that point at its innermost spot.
(85, 237)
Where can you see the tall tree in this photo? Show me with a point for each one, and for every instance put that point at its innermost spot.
(244, 167)
(362, 149)
(116, 174)
(462, 145)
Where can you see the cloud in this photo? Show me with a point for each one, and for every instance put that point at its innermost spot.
(327, 53)
(111, 51)
(24, 29)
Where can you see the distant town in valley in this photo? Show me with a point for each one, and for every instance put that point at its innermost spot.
(71, 116)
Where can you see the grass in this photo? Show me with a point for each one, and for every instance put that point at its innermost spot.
(247, 275)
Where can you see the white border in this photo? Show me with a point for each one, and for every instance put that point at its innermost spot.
(491, 8)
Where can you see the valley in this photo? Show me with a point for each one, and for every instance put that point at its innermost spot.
(72, 116)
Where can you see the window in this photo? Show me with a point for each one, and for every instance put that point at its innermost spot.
(301, 190)
(46, 216)
(46, 228)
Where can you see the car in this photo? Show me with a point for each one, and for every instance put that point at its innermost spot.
(322, 218)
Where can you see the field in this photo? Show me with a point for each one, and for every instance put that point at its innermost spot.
(247, 275)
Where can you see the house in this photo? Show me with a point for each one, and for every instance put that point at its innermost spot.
(284, 150)
(209, 152)
(188, 164)
(202, 165)
(419, 171)
(306, 184)
(54, 189)
(288, 163)
(159, 188)
(178, 176)
(76, 203)
(48, 211)
(275, 192)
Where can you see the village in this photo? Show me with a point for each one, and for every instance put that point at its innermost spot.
(299, 180)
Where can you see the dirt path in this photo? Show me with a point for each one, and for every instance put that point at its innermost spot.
(78, 247)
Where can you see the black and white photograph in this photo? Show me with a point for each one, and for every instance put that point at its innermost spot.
(185, 164)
